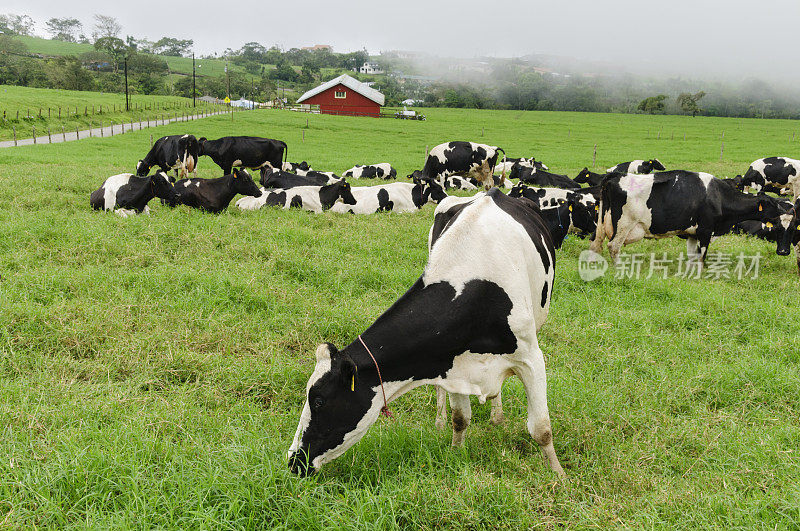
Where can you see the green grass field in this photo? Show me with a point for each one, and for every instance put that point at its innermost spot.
(80, 108)
(152, 369)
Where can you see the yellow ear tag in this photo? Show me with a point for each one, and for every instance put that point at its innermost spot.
(596, 208)
(570, 208)
(768, 225)
(353, 383)
(760, 208)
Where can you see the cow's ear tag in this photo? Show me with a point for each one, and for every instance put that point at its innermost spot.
(768, 225)
(353, 383)
(760, 207)
(570, 208)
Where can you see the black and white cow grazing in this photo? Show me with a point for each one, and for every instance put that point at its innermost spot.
(673, 203)
(384, 170)
(590, 177)
(214, 195)
(244, 152)
(574, 211)
(787, 227)
(466, 324)
(521, 164)
(128, 194)
(394, 197)
(174, 152)
(638, 166)
(545, 178)
(313, 198)
(293, 167)
(281, 179)
(466, 159)
(781, 173)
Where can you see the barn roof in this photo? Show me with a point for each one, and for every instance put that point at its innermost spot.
(349, 82)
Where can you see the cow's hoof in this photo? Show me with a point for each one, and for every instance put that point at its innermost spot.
(496, 420)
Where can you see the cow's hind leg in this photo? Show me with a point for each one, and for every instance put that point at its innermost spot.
(797, 255)
(533, 376)
(461, 415)
(441, 408)
(496, 416)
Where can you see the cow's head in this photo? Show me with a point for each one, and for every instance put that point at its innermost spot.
(142, 169)
(339, 409)
(346, 193)
(654, 164)
(582, 215)
(416, 175)
(583, 176)
(786, 228)
(351, 171)
(162, 188)
(516, 191)
(244, 184)
(201, 145)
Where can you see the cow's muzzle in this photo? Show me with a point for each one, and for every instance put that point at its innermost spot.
(783, 252)
(300, 464)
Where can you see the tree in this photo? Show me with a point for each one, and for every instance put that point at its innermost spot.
(113, 46)
(253, 51)
(688, 102)
(64, 29)
(173, 47)
(16, 24)
(105, 26)
(653, 104)
(284, 71)
(69, 74)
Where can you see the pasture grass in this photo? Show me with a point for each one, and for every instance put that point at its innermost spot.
(152, 369)
(81, 109)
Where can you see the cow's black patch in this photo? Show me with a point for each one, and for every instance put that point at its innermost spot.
(544, 295)
(285, 180)
(297, 202)
(276, 199)
(252, 151)
(383, 201)
(545, 178)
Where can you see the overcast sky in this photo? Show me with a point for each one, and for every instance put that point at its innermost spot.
(735, 37)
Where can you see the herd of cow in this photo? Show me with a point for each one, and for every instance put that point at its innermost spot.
(470, 321)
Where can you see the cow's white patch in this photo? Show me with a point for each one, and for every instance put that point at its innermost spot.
(308, 194)
(706, 178)
(187, 183)
(237, 162)
(110, 188)
(367, 199)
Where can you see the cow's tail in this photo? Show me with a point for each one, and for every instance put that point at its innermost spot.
(600, 233)
(503, 173)
(285, 156)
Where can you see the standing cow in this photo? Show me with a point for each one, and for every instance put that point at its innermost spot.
(637, 166)
(465, 325)
(174, 152)
(461, 158)
(674, 203)
(250, 152)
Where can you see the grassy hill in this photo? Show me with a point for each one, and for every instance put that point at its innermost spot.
(180, 65)
(78, 108)
(153, 369)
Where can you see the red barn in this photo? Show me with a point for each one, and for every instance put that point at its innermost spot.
(345, 95)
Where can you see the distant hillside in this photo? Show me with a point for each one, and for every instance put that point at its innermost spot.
(177, 65)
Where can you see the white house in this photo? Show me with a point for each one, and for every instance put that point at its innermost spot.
(370, 68)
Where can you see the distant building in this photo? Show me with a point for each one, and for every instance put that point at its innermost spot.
(370, 68)
(318, 47)
(211, 99)
(346, 96)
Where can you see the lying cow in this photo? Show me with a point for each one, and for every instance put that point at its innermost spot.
(460, 183)
(672, 203)
(466, 159)
(394, 197)
(637, 166)
(293, 167)
(214, 195)
(244, 152)
(313, 198)
(282, 179)
(545, 178)
(464, 328)
(383, 170)
(781, 173)
(508, 165)
(128, 194)
(174, 152)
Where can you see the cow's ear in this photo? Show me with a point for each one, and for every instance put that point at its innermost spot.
(326, 351)
(201, 139)
(348, 372)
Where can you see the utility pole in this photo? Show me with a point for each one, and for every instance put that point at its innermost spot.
(127, 104)
(227, 77)
(194, 91)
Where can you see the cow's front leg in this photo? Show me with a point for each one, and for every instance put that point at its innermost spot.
(461, 415)
(797, 256)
